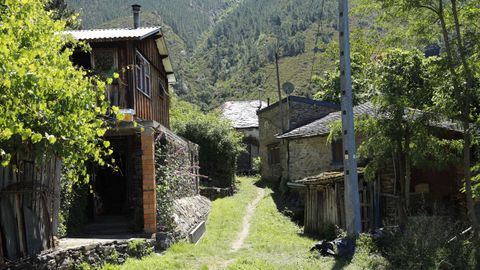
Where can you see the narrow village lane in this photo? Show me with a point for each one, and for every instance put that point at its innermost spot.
(246, 220)
(245, 231)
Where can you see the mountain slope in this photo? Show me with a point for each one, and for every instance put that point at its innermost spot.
(188, 18)
(225, 49)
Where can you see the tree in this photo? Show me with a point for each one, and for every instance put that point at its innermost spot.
(46, 103)
(219, 142)
(456, 27)
(60, 11)
(401, 132)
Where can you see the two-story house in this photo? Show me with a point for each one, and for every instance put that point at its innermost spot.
(127, 196)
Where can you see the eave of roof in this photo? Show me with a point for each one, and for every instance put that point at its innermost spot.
(321, 127)
(326, 178)
(106, 35)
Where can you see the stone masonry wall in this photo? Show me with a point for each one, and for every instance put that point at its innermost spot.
(93, 255)
(309, 156)
(296, 115)
(188, 213)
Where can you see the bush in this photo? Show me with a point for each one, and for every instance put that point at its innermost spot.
(73, 205)
(219, 142)
(367, 255)
(424, 244)
(138, 249)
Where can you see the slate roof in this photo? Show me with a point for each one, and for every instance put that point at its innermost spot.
(322, 125)
(243, 114)
(301, 100)
(113, 34)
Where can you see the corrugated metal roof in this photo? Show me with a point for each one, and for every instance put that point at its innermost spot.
(243, 114)
(113, 34)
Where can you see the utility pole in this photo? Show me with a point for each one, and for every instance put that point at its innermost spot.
(279, 93)
(352, 201)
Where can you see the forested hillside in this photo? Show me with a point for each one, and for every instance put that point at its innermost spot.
(225, 49)
(188, 18)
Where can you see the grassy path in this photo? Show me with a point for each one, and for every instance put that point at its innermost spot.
(246, 221)
(272, 241)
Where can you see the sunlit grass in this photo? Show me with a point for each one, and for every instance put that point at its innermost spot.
(274, 242)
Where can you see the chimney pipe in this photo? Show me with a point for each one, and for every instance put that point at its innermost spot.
(136, 16)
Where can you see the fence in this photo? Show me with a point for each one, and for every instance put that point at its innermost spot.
(29, 206)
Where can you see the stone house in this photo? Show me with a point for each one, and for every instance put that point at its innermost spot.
(243, 116)
(314, 168)
(291, 113)
(126, 200)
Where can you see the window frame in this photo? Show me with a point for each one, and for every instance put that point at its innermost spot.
(335, 146)
(273, 159)
(100, 50)
(143, 74)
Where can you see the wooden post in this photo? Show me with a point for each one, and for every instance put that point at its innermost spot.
(279, 93)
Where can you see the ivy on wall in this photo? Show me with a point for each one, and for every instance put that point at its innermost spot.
(176, 176)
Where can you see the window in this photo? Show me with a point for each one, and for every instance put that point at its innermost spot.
(105, 62)
(273, 154)
(337, 152)
(142, 74)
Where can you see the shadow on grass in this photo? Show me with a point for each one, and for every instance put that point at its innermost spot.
(288, 203)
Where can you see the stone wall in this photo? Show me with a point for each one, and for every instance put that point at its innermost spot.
(187, 214)
(180, 207)
(214, 193)
(297, 112)
(308, 157)
(93, 255)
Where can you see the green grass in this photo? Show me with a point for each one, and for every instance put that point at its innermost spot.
(274, 242)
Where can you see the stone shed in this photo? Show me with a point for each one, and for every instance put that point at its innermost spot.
(311, 156)
(243, 116)
(291, 113)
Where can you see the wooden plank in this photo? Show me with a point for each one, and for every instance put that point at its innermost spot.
(20, 225)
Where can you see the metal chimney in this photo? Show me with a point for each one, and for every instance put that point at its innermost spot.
(136, 16)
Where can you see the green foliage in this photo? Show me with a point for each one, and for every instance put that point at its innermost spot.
(74, 202)
(138, 248)
(219, 142)
(113, 257)
(48, 105)
(404, 84)
(251, 264)
(329, 84)
(257, 164)
(83, 266)
(173, 172)
(188, 18)
(425, 244)
(60, 11)
(367, 255)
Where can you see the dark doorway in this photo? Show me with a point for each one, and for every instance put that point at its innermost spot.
(108, 204)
